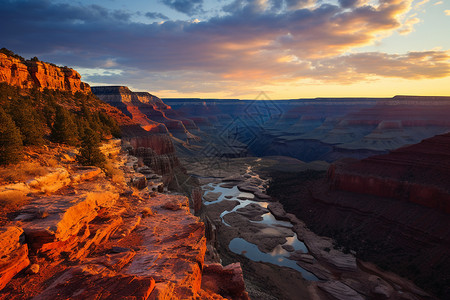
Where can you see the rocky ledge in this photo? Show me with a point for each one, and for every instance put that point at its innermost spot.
(93, 238)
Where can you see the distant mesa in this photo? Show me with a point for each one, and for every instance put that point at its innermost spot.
(147, 110)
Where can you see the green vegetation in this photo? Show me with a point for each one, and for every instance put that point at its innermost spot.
(64, 130)
(90, 154)
(10, 140)
(11, 53)
(34, 118)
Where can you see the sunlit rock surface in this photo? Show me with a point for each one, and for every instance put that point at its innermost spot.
(40, 75)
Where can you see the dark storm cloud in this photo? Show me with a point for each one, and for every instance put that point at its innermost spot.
(189, 7)
(156, 15)
(348, 3)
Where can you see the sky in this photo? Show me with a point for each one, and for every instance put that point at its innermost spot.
(240, 48)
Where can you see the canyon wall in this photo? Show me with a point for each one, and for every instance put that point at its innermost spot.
(390, 209)
(318, 129)
(147, 110)
(29, 74)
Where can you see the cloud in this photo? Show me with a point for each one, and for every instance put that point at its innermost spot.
(438, 3)
(413, 65)
(156, 15)
(348, 3)
(246, 46)
(447, 12)
(189, 7)
(408, 26)
(421, 3)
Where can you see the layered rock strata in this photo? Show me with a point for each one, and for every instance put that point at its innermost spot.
(41, 75)
(391, 209)
(96, 239)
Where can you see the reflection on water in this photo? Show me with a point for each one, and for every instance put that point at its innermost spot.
(240, 246)
(251, 251)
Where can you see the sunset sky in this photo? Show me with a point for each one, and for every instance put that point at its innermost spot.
(239, 48)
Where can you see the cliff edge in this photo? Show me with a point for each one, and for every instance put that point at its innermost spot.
(29, 74)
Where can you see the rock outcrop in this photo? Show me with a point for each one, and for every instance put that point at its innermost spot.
(96, 238)
(13, 253)
(41, 75)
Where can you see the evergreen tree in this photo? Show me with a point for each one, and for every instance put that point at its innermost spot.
(90, 154)
(64, 129)
(111, 125)
(28, 121)
(10, 140)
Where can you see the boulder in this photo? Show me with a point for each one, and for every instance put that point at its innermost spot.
(253, 211)
(211, 196)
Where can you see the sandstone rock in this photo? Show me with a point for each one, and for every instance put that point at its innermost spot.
(172, 205)
(262, 196)
(317, 269)
(40, 75)
(245, 187)
(97, 282)
(85, 173)
(14, 190)
(228, 185)
(211, 196)
(227, 281)
(197, 195)
(67, 216)
(33, 269)
(174, 250)
(50, 182)
(339, 290)
(288, 248)
(276, 208)
(340, 260)
(253, 211)
(13, 253)
(138, 181)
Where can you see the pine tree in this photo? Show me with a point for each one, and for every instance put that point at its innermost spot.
(90, 154)
(64, 129)
(28, 121)
(10, 140)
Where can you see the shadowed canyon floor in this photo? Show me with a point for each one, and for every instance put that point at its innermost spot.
(243, 217)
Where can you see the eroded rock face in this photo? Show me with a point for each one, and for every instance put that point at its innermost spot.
(384, 207)
(40, 75)
(417, 173)
(227, 281)
(13, 253)
(55, 223)
(94, 239)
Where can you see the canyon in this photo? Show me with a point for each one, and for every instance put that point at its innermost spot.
(308, 137)
(234, 199)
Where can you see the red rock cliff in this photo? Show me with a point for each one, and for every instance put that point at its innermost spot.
(417, 173)
(40, 75)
